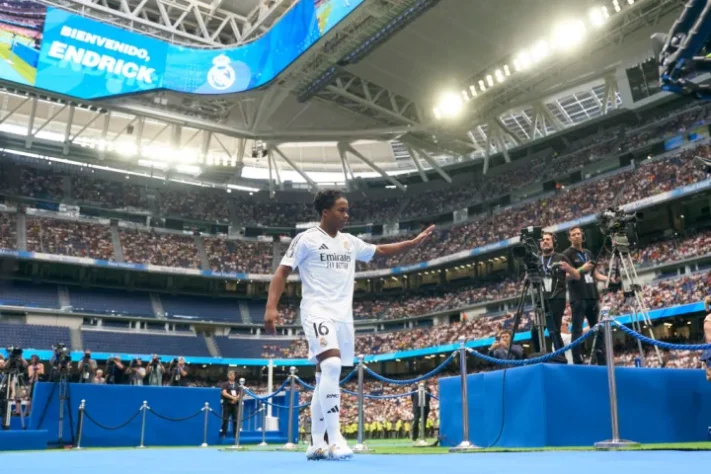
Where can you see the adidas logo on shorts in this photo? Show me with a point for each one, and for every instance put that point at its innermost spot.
(323, 247)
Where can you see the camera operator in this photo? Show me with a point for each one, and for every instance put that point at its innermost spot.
(114, 370)
(135, 372)
(155, 371)
(500, 348)
(35, 373)
(87, 368)
(556, 270)
(177, 372)
(230, 399)
(584, 297)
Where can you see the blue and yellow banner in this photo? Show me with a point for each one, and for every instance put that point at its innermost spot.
(59, 51)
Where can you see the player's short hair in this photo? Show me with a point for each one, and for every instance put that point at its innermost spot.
(326, 199)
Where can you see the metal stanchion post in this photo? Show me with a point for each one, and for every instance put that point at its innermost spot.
(240, 414)
(615, 442)
(206, 409)
(361, 447)
(80, 427)
(421, 405)
(145, 408)
(290, 446)
(465, 445)
(264, 425)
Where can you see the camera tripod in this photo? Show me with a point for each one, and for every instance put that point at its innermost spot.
(61, 381)
(622, 267)
(10, 389)
(533, 288)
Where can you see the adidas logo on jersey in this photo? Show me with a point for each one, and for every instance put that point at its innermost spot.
(323, 247)
(333, 410)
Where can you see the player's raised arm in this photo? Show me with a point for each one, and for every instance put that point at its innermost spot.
(386, 250)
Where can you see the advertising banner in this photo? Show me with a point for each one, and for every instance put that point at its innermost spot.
(62, 52)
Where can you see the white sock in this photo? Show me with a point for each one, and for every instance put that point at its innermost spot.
(318, 425)
(329, 394)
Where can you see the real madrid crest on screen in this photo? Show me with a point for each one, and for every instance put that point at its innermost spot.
(221, 75)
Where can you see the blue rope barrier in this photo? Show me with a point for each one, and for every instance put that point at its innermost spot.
(535, 360)
(348, 377)
(662, 344)
(271, 395)
(432, 395)
(432, 373)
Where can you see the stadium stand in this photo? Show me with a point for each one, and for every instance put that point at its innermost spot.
(238, 255)
(247, 348)
(20, 293)
(131, 343)
(32, 336)
(112, 302)
(159, 249)
(8, 231)
(209, 309)
(78, 239)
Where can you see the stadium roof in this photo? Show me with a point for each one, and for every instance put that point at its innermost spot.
(387, 94)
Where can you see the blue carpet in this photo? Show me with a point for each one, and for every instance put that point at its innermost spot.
(207, 461)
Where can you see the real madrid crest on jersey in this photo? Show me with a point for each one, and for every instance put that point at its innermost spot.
(346, 245)
(221, 75)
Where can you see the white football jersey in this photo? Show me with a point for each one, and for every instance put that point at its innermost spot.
(327, 269)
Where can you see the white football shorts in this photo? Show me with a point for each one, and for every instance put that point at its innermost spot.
(324, 334)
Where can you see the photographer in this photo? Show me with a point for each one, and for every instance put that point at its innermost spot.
(87, 368)
(135, 372)
(155, 372)
(230, 399)
(584, 297)
(60, 362)
(556, 270)
(177, 372)
(114, 370)
(500, 348)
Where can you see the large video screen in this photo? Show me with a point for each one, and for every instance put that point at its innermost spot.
(59, 51)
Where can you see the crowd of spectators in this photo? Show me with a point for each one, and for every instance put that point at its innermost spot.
(565, 205)
(77, 239)
(169, 250)
(8, 231)
(238, 255)
(216, 205)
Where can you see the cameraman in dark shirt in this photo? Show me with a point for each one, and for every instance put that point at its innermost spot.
(556, 270)
(230, 399)
(177, 372)
(416, 412)
(584, 297)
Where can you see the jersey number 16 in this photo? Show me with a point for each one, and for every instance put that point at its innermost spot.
(320, 330)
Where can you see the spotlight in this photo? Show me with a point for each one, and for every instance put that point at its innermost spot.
(507, 71)
(568, 34)
(465, 96)
(482, 86)
(499, 75)
(597, 17)
(540, 50)
(605, 12)
(449, 105)
(489, 80)
(524, 60)
(472, 89)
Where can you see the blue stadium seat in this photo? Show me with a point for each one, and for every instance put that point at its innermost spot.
(106, 301)
(20, 293)
(196, 307)
(256, 311)
(30, 336)
(246, 348)
(142, 344)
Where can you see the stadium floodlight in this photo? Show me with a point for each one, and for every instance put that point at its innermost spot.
(568, 34)
(605, 12)
(482, 86)
(540, 51)
(437, 113)
(507, 71)
(597, 17)
(524, 61)
(472, 89)
(499, 75)
(449, 105)
(630, 2)
(616, 5)
(209, 160)
(153, 164)
(465, 96)
(490, 80)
